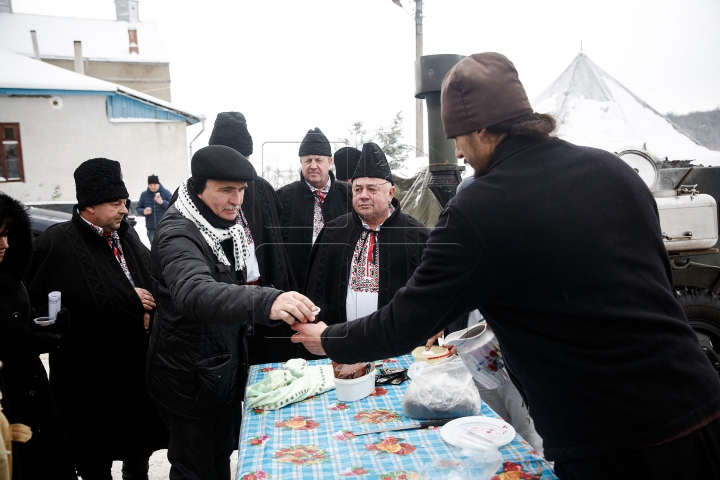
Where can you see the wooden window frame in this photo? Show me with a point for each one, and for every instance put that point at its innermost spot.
(4, 170)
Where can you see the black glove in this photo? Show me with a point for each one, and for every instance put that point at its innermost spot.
(45, 342)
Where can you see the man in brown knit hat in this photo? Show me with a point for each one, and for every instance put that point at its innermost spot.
(573, 279)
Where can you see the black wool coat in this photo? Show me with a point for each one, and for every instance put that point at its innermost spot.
(298, 210)
(97, 374)
(27, 398)
(262, 209)
(401, 241)
(560, 248)
(197, 362)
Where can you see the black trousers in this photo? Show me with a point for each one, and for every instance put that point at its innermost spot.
(200, 449)
(691, 457)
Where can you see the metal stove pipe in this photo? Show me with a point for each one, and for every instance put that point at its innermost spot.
(443, 166)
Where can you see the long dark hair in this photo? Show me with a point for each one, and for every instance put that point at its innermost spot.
(539, 126)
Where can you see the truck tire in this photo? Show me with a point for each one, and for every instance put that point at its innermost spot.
(702, 308)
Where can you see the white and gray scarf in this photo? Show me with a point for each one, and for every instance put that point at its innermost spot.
(214, 236)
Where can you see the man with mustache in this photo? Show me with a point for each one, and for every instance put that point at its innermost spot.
(360, 260)
(101, 268)
(197, 363)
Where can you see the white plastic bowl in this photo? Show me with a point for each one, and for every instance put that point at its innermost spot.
(351, 390)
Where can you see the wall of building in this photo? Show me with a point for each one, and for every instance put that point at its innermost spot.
(150, 78)
(56, 140)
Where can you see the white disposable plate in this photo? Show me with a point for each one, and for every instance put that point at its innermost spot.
(497, 431)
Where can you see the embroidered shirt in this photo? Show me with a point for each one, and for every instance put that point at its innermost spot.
(364, 282)
(113, 241)
(253, 269)
(318, 221)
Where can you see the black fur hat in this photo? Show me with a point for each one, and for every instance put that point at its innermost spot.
(18, 256)
(346, 160)
(230, 129)
(315, 143)
(218, 162)
(153, 179)
(97, 181)
(373, 164)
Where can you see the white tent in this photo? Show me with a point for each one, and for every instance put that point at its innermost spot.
(594, 109)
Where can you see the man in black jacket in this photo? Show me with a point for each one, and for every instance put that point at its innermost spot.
(153, 204)
(574, 281)
(360, 260)
(311, 202)
(268, 264)
(197, 362)
(101, 268)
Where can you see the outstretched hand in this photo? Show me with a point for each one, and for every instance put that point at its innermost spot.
(309, 335)
(292, 307)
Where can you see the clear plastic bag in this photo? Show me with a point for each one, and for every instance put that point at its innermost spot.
(441, 390)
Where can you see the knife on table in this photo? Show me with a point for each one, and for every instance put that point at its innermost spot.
(413, 426)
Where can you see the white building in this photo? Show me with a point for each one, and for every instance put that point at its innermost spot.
(125, 51)
(52, 119)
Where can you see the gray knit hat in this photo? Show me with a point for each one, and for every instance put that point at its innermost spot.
(315, 143)
(480, 91)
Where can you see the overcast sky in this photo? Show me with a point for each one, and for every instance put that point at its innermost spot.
(290, 65)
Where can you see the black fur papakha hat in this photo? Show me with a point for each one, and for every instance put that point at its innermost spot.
(373, 164)
(97, 181)
(346, 160)
(218, 162)
(230, 129)
(315, 143)
(153, 179)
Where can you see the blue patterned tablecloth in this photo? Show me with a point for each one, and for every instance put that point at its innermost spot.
(313, 439)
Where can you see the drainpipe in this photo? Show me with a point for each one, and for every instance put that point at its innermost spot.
(79, 65)
(443, 165)
(36, 48)
(191, 141)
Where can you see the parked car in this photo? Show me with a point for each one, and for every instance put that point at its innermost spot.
(44, 215)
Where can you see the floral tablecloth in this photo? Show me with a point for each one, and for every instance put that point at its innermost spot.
(314, 439)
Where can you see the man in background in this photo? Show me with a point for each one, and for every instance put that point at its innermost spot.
(153, 204)
(311, 202)
(346, 160)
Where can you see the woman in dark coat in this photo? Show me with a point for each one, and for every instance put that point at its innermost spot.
(27, 397)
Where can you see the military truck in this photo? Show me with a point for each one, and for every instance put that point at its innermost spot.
(696, 271)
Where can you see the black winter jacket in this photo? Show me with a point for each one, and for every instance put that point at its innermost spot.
(197, 363)
(560, 248)
(147, 199)
(298, 210)
(97, 373)
(27, 398)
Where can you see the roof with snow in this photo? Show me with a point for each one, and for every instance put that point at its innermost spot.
(102, 40)
(25, 76)
(594, 109)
